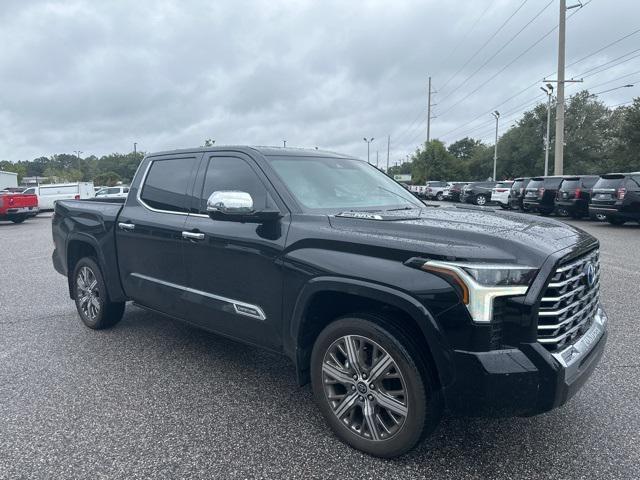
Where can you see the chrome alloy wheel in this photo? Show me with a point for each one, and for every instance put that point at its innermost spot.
(481, 200)
(365, 387)
(87, 293)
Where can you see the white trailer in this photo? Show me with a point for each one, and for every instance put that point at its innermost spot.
(8, 179)
(49, 194)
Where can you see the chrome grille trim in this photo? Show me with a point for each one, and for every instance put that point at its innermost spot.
(569, 304)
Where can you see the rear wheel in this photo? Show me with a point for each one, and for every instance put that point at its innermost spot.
(95, 308)
(19, 218)
(439, 196)
(371, 386)
(481, 200)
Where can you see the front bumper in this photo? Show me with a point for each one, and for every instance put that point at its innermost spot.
(524, 381)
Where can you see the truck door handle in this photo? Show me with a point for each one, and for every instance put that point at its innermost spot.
(126, 226)
(193, 236)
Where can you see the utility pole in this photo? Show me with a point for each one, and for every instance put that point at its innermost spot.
(388, 145)
(496, 114)
(135, 148)
(547, 139)
(559, 147)
(284, 143)
(377, 159)
(368, 140)
(78, 152)
(429, 112)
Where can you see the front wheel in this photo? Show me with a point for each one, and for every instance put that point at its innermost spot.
(481, 200)
(371, 386)
(439, 197)
(94, 306)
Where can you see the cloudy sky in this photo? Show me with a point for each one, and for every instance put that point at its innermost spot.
(98, 76)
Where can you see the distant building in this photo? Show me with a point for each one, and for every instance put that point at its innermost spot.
(38, 180)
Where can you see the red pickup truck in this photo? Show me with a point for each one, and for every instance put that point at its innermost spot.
(17, 207)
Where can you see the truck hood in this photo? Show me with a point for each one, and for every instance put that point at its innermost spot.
(466, 234)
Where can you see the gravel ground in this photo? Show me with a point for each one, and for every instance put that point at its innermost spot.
(156, 398)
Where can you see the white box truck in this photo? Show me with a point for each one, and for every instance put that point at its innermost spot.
(49, 194)
(8, 179)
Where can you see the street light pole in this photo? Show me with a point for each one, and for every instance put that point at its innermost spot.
(78, 152)
(368, 143)
(284, 143)
(496, 114)
(547, 140)
(135, 148)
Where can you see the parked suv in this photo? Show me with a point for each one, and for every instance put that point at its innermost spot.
(517, 192)
(435, 190)
(617, 196)
(574, 195)
(392, 310)
(478, 193)
(454, 191)
(540, 194)
(500, 194)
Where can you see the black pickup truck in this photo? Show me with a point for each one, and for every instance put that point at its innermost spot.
(394, 311)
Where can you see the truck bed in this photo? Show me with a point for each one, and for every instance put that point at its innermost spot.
(89, 221)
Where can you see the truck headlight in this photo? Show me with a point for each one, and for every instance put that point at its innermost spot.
(480, 283)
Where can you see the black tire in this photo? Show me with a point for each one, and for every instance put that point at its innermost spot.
(19, 219)
(95, 308)
(421, 397)
(481, 200)
(616, 220)
(545, 213)
(439, 197)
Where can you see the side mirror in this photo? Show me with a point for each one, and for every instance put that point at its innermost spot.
(237, 206)
(230, 203)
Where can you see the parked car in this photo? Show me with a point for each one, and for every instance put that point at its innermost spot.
(113, 192)
(617, 197)
(390, 309)
(517, 193)
(49, 194)
(17, 207)
(574, 195)
(540, 194)
(434, 190)
(501, 193)
(478, 193)
(454, 191)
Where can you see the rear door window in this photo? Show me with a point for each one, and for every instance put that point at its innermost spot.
(535, 184)
(166, 185)
(570, 184)
(552, 183)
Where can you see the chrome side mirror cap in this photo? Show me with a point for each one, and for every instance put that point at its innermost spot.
(230, 203)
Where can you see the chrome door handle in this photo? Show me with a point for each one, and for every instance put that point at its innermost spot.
(126, 226)
(193, 236)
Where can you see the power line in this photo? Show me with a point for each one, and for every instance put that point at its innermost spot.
(534, 44)
(491, 37)
(610, 61)
(475, 24)
(497, 52)
(604, 48)
(610, 66)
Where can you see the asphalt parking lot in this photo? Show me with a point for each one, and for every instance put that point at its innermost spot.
(154, 398)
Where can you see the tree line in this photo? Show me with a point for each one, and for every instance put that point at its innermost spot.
(105, 170)
(598, 139)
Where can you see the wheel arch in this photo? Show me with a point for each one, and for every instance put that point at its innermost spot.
(80, 245)
(324, 299)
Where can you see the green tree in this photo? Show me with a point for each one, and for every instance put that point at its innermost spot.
(108, 179)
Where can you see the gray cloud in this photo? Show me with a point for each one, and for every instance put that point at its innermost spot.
(98, 76)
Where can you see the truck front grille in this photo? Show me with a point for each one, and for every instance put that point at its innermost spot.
(569, 302)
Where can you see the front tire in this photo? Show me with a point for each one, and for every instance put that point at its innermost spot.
(95, 308)
(481, 200)
(439, 197)
(372, 387)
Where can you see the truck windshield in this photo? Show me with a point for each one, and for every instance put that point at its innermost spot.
(325, 183)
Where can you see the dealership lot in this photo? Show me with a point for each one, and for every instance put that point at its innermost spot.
(156, 398)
